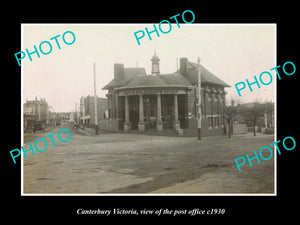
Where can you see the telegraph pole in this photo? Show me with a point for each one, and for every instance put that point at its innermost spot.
(95, 102)
(266, 118)
(83, 115)
(76, 115)
(199, 100)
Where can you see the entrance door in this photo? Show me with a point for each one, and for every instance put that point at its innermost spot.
(134, 111)
(182, 114)
(150, 111)
(167, 102)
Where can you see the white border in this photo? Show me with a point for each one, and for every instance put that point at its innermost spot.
(275, 117)
(22, 119)
(196, 194)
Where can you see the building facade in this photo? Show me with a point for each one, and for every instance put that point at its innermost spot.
(87, 110)
(35, 110)
(138, 101)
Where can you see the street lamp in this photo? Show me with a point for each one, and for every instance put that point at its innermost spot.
(199, 100)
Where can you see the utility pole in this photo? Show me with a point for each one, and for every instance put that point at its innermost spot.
(199, 100)
(83, 113)
(266, 114)
(39, 108)
(95, 102)
(76, 116)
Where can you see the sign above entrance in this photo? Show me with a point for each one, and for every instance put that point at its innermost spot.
(151, 92)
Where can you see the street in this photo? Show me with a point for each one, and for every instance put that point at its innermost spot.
(137, 163)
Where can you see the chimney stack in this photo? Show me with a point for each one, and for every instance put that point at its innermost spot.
(119, 73)
(183, 66)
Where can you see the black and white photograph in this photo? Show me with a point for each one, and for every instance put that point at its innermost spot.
(133, 110)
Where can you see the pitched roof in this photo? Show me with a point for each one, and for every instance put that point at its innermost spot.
(172, 79)
(111, 84)
(206, 76)
(137, 77)
(129, 73)
(175, 79)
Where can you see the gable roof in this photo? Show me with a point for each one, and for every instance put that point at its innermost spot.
(172, 79)
(206, 76)
(129, 73)
(137, 77)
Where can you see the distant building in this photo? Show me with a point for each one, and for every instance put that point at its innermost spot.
(35, 110)
(87, 110)
(58, 117)
(137, 101)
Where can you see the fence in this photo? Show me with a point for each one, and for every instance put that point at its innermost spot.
(239, 128)
(109, 125)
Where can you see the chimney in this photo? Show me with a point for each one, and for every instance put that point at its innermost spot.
(119, 73)
(183, 66)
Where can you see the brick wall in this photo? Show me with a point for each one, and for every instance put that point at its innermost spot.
(109, 124)
(192, 130)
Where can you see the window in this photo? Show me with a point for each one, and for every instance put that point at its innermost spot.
(149, 106)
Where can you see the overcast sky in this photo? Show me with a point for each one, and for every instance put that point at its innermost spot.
(233, 52)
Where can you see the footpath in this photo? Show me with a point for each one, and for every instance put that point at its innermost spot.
(90, 131)
(170, 133)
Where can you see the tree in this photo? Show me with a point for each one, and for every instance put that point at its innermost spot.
(252, 111)
(230, 111)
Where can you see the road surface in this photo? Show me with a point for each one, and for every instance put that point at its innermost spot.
(134, 163)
